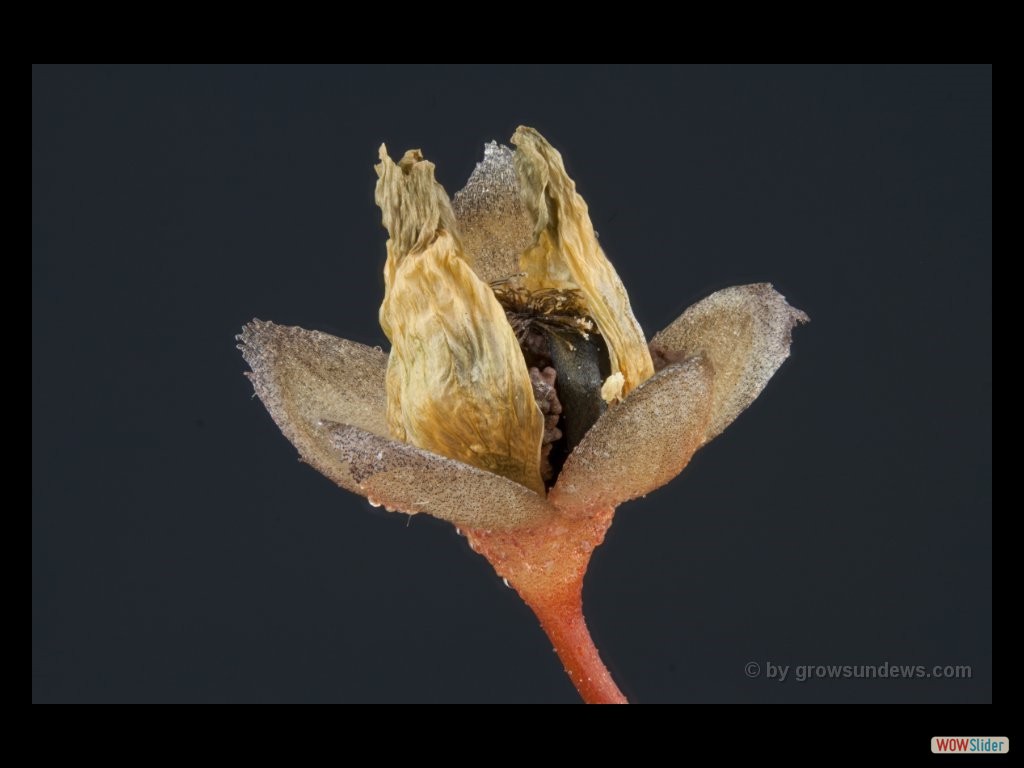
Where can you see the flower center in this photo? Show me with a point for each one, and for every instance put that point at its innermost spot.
(568, 362)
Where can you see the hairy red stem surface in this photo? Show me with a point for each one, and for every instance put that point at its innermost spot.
(546, 565)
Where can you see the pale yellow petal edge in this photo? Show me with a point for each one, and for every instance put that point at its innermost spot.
(565, 255)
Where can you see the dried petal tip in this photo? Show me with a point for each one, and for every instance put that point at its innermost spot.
(414, 207)
(565, 255)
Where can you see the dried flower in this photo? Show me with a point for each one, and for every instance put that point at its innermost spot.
(520, 400)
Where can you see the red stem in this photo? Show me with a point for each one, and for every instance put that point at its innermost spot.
(546, 564)
(562, 619)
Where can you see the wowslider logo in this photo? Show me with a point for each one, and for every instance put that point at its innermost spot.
(970, 745)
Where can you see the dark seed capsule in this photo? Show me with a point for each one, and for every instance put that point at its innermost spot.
(579, 362)
(553, 330)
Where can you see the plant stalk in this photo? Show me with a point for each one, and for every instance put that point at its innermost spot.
(546, 565)
(561, 617)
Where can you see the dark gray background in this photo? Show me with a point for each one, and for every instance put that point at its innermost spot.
(181, 553)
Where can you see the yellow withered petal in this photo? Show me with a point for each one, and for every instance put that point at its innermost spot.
(565, 255)
(413, 205)
(457, 383)
(745, 332)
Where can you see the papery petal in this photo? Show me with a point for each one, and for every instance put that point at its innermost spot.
(409, 479)
(304, 377)
(414, 207)
(565, 255)
(745, 332)
(493, 223)
(641, 443)
(457, 382)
